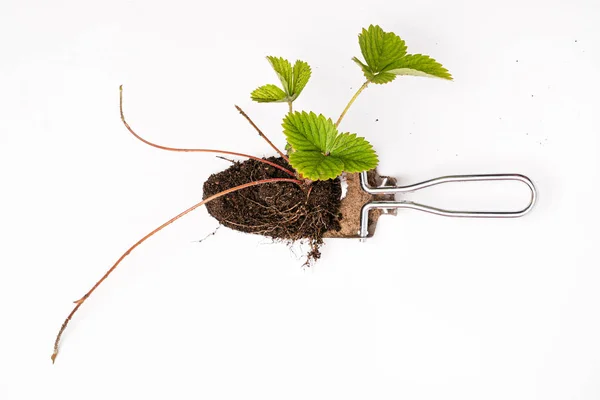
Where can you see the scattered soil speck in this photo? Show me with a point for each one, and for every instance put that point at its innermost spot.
(376, 119)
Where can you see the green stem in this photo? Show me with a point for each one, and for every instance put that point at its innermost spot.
(290, 104)
(363, 87)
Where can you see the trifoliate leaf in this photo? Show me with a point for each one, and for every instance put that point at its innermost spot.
(380, 48)
(316, 166)
(268, 94)
(309, 132)
(385, 56)
(301, 75)
(418, 65)
(320, 152)
(293, 80)
(283, 68)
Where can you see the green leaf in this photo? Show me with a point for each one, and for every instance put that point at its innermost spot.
(309, 132)
(380, 48)
(385, 57)
(356, 153)
(283, 68)
(418, 65)
(293, 80)
(301, 74)
(268, 94)
(319, 152)
(316, 166)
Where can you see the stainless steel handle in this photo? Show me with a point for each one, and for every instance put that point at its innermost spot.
(364, 218)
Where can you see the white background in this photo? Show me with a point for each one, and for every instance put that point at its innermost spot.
(431, 308)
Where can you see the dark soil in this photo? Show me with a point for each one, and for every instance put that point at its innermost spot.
(282, 211)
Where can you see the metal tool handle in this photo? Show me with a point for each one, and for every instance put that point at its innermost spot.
(364, 218)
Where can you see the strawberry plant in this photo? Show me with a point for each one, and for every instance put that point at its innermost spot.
(297, 194)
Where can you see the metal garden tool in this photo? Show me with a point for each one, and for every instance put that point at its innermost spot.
(370, 195)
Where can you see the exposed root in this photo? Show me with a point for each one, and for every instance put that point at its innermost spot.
(207, 200)
(209, 235)
(182, 150)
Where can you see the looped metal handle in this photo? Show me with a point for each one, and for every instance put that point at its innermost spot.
(364, 218)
